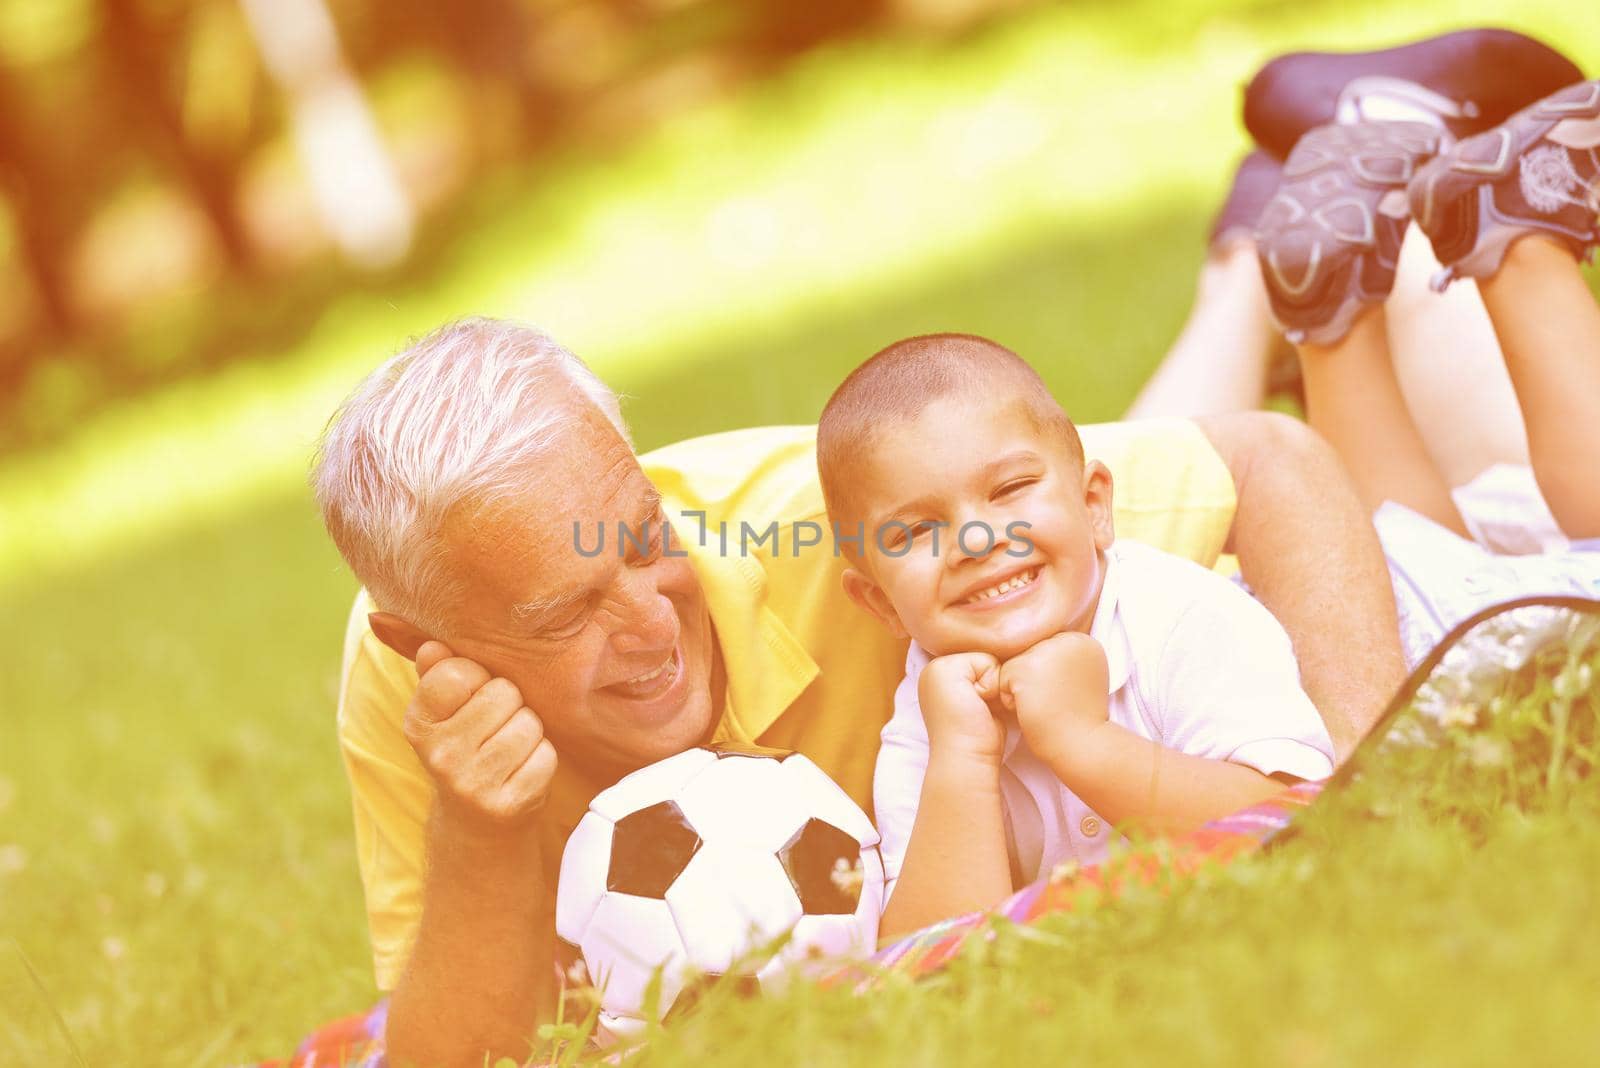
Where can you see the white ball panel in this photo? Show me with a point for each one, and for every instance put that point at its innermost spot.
(869, 910)
(819, 946)
(582, 882)
(826, 800)
(613, 1030)
(730, 902)
(651, 784)
(628, 938)
(744, 802)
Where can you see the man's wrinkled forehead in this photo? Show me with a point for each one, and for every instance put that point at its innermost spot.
(589, 476)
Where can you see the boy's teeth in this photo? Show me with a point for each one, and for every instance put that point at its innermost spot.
(1004, 587)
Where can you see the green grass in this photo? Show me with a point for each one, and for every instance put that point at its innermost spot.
(1433, 911)
(175, 853)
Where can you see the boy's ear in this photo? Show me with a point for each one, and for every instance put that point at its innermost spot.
(860, 588)
(396, 633)
(1097, 499)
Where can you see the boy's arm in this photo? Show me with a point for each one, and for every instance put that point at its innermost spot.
(1141, 785)
(955, 859)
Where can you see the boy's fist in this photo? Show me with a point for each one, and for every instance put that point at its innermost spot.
(1057, 687)
(485, 749)
(955, 692)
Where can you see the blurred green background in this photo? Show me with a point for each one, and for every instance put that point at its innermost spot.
(215, 216)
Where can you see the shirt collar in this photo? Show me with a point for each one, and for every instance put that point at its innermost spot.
(1107, 629)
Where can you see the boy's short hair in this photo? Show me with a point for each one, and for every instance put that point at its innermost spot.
(899, 381)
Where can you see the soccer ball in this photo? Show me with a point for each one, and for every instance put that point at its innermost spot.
(699, 865)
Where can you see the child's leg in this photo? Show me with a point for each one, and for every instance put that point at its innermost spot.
(1513, 207)
(1549, 329)
(1354, 400)
(1328, 244)
(1450, 369)
(1219, 362)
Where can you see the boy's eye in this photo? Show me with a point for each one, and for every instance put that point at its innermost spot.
(1008, 488)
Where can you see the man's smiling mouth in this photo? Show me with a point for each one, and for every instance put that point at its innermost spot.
(651, 682)
(1000, 589)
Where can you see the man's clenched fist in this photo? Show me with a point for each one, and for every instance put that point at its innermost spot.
(484, 748)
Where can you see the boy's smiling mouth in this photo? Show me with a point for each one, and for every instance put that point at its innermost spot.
(1006, 589)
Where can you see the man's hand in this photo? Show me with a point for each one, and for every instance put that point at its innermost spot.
(955, 692)
(1057, 689)
(485, 749)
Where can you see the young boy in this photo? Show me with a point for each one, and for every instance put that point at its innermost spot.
(1058, 682)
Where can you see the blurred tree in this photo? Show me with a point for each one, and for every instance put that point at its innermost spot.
(140, 55)
(44, 227)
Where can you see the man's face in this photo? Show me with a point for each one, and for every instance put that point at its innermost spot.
(614, 652)
(972, 461)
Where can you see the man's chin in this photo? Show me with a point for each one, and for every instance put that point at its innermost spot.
(662, 735)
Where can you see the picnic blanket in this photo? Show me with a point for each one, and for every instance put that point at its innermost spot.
(1539, 637)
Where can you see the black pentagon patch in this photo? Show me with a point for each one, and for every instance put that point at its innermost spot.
(649, 849)
(824, 865)
(743, 749)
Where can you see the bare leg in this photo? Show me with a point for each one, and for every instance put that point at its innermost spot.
(1549, 329)
(1219, 362)
(1449, 366)
(1353, 399)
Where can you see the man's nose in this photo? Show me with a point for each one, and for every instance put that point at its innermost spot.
(649, 619)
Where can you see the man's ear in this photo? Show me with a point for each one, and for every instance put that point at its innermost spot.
(1097, 499)
(860, 588)
(396, 633)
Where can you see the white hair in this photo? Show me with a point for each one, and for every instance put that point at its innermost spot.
(454, 419)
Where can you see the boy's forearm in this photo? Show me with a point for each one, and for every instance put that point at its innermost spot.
(956, 859)
(1141, 785)
(481, 974)
(1307, 548)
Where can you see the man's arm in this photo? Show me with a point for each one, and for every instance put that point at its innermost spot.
(480, 975)
(1307, 548)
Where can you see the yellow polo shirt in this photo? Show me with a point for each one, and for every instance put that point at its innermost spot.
(806, 668)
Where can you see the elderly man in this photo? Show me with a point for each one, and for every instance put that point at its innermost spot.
(466, 482)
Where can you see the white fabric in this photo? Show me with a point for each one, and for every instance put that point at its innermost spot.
(1196, 664)
(1441, 578)
(1505, 512)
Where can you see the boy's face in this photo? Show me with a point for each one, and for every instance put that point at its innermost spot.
(983, 465)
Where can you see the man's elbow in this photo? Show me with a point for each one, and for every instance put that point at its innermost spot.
(1248, 441)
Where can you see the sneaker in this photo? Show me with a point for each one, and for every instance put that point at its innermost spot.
(1536, 173)
(1254, 183)
(1330, 238)
(1461, 83)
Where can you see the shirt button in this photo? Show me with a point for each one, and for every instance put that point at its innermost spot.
(1090, 826)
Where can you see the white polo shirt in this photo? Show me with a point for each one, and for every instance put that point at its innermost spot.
(1196, 664)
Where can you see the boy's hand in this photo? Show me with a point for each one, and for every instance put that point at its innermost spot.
(1057, 689)
(485, 750)
(955, 692)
